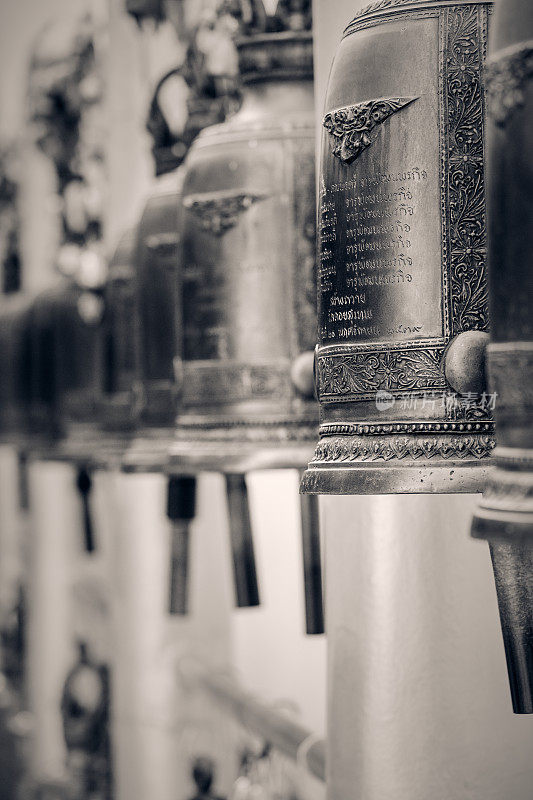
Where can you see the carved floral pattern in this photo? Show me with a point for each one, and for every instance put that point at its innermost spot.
(345, 449)
(464, 170)
(219, 212)
(350, 127)
(506, 78)
(365, 372)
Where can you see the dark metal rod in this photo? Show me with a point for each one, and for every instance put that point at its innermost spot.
(286, 735)
(179, 569)
(181, 508)
(312, 565)
(242, 545)
(84, 484)
(23, 483)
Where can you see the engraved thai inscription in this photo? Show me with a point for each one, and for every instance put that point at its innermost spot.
(380, 234)
(401, 206)
(401, 226)
(371, 219)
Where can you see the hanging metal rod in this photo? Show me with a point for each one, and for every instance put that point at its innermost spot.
(288, 736)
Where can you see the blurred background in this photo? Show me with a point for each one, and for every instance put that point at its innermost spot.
(106, 691)
(165, 590)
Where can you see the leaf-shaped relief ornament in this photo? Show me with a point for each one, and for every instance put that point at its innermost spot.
(218, 212)
(350, 127)
(343, 449)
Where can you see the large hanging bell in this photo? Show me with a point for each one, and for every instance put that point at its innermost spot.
(403, 310)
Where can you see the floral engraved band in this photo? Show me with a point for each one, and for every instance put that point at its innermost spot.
(364, 373)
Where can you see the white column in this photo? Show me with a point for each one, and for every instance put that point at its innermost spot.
(55, 543)
(155, 731)
(272, 654)
(418, 693)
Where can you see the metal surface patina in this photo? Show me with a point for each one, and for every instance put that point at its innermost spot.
(157, 258)
(505, 513)
(245, 377)
(402, 277)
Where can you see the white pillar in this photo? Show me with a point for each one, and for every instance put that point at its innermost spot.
(272, 654)
(154, 729)
(55, 542)
(418, 693)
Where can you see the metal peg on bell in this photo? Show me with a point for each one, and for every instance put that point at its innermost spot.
(242, 543)
(312, 565)
(84, 486)
(181, 508)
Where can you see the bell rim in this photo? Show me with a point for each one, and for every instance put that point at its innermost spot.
(453, 477)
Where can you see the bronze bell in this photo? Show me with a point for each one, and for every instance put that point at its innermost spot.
(47, 379)
(79, 314)
(15, 368)
(157, 259)
(155, 263)
(245, 375)
(65, 370)
(158, 253)
(505, 514)
(119, 401)
(402, 277)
